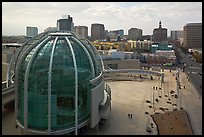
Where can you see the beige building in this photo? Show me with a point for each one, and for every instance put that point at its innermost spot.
(97, 31)
(139, 45)
(192, 35)
(82, 31)
(135, 34)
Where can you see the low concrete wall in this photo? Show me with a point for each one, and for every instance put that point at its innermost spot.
(123, 64)
(97, 95)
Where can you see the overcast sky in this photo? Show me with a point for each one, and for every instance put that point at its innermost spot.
(114, 15)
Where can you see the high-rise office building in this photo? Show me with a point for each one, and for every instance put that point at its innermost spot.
(192, 35)
(160, 34)
(31, 31)
(176, 34)
(97, 31)
(82, 31)
(135, 34)
(106, 33)
(66, 23)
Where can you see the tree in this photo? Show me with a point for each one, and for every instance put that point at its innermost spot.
(108, 39)
(197, 56)
(118, 38)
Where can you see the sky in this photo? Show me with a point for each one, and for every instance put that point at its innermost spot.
(114, 15)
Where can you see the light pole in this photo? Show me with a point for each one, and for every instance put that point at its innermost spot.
(177, 83)
(153, 98)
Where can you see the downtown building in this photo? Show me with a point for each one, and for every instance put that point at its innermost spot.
(160, 34)
(97, 31)
(114, 34)
(176, 34)
(135, 34)
(82, 31)
(139, 46)
(31, 31)
(176, 37)
(192, 35)
(66, 23)
(161, 54)
(117, 32)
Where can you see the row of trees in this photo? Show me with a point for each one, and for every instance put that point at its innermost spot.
(197, 56)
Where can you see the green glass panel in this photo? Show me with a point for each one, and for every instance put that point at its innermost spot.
(38, 88)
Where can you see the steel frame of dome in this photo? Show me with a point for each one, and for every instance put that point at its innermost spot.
(34, 45)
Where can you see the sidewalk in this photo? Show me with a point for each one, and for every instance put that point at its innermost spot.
(192, 103)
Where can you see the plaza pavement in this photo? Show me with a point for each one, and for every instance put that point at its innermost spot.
(131, 97)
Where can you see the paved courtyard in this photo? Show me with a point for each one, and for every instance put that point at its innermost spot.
(131, 97)
(136, 97)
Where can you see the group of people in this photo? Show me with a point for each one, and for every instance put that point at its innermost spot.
(130, 115)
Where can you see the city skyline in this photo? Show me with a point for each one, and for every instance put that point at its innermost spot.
(114, 15)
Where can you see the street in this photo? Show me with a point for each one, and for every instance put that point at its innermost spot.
(193, 69)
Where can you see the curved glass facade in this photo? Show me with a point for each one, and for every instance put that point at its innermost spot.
(45, 76)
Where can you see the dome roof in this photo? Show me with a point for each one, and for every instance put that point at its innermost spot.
(66, 47)
(48, 70)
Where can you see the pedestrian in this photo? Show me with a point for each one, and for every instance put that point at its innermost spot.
(131, 115)
(128, 114)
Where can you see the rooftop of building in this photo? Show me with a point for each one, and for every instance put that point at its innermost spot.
(193, 24)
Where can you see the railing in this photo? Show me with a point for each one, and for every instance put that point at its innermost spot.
(139, 71)
(8, 95)
(129, 74)
(7, 90)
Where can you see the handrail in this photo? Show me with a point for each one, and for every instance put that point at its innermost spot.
(134, 70)
(7, 90)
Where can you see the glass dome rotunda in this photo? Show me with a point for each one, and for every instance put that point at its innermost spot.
(55, 73)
